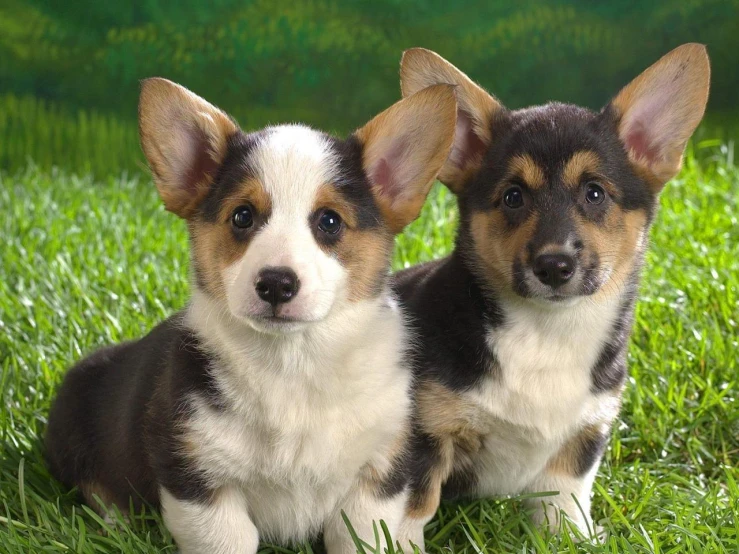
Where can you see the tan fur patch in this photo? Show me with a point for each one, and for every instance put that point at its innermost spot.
(582, 162)
(90, 490)
(250, 192)
(366, 257)
(526, 169)
(496, 247)
(364, 254)
(567, 460)
(213, 249)
(677, 84)
(425, 506)
(445, 413)
(617, 241)
(214, 246)
(456, 425)
(404, 148)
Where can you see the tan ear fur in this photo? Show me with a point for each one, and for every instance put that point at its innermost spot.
(660, 109)
(404, 148)
(184, 139)
(421, 68)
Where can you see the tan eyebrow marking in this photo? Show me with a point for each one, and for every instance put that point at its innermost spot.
(524, 167)
(584, 161)
(249, 190)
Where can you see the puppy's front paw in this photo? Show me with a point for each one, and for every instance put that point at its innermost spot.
(548, 515)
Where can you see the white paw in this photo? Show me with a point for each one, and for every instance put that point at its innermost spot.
(550, 516)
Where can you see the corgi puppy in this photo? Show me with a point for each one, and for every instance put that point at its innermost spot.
(523, 330)
(280, 396)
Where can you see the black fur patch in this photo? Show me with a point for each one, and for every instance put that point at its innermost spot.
(395, 481)
(609, 371)
(451, 317)
(115, 419)
(552, 229)
(591, 449)
(424, 457)
(461, 484)
(352, 181)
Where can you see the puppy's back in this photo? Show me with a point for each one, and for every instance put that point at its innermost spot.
(94, 438)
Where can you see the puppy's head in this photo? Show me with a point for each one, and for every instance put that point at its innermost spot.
(555, 200)
(288, 224)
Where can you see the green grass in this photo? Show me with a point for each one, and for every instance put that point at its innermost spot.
(85, 262)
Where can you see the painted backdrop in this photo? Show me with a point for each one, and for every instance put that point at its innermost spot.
(69, 71)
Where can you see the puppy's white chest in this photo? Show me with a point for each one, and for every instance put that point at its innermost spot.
(295, 459)
(539, 393)
(299, 427)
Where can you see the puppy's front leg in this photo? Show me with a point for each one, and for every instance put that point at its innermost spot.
(220, 525)
(573, 499)
(570, 472)
(367, 503)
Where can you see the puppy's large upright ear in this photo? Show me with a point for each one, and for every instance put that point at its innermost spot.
(421, 68)
(184, 138)
(659, 110)
(403, 149)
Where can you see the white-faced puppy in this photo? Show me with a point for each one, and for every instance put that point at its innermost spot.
(524, 328)
(279, 397)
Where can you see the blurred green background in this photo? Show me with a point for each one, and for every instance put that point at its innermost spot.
(69, 71)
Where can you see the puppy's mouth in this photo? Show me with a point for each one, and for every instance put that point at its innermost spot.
(279, 319)
(272, 321)
(274, 324)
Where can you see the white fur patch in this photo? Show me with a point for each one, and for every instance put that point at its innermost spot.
(365, 512)
(222, 527)
(305, 411)
(543, 394)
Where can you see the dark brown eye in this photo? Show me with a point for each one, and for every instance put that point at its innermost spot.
(329, 222)
(513, 197)
(594, 193)
(242, 218)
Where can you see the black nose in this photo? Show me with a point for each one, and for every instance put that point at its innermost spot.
(554, 269)
(277, 285)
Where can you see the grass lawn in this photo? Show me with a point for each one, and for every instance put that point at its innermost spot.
(84, 263)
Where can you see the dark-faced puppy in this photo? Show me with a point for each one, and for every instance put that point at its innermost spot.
(280, 396)
(524, 328)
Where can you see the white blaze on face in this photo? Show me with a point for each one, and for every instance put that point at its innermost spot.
(291, 162)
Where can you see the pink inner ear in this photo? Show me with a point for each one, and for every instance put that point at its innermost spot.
(467, 145)
(649, 125)
(387, 174)
(638, 141)
(198, 162)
